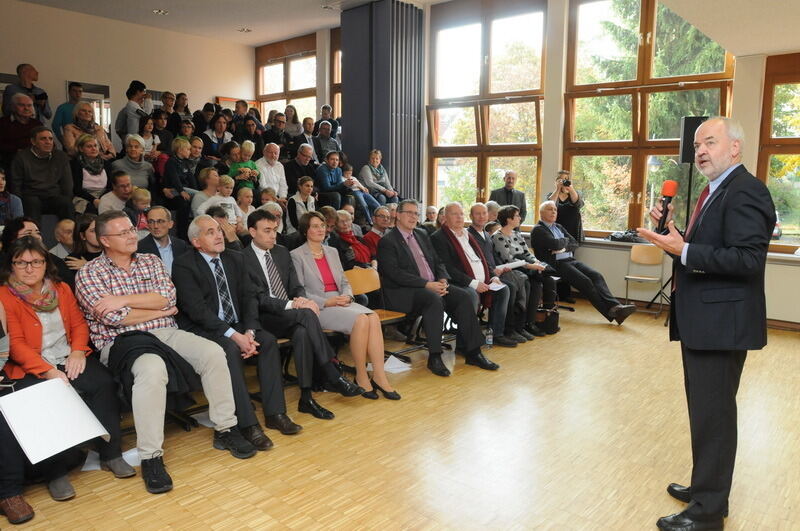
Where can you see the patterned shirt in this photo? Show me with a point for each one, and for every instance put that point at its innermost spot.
(512, 248)
(102, 277)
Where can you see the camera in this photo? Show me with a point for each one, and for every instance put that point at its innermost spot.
(566, 182)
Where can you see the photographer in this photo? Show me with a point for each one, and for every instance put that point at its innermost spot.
(569, 203)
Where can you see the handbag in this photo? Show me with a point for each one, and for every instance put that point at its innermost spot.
(547, 320)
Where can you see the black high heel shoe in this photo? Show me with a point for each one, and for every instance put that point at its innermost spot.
(371, 394)
(391, 395)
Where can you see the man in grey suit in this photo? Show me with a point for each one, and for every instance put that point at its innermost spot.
(508, 196)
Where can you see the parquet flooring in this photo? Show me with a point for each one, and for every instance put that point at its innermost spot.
(582, 430)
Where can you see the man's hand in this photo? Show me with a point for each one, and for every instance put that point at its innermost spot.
(75, 364)
(656, 213)
(110, 303)
(302, 302)
(246, 344)
(55, 373)
(536, 267)
(282, 202)
(229, 230)
(672, 242)
(501, 270)
(169, 312)
(74, 263)
(482, 287)
(438, 287)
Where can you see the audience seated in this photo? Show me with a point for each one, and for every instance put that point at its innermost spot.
(229, 153)
(326, 115)
(180, 183)
(239, 115)
(352, 250)
(16, 127)
(140, 104)
(298, 167)
(328, 180)
(49, 339)
(85, 246)
(123, 291)
(271, 172)
(230, 231)
(432, 226)
(83, 124)
(216, 302)
(63, 233)
(293, 126)
(224, 198)
(375, 177)
(324, 141)
(276, 135)
(202, 118)
(356, 228)
(27, 75)
(464, 259)
(136, 208)
(117, 197)
(160, 130)
(208, 178)
(415, 282)
(159, 242)
(382, 220)
(244, 171)
(42, 178)
(510, 246)
(27, 226)
(552, 242)
(89, 176)
(215, 136)
(319, 270)
(244, 200)
(10, 204)
(196, 162)
(249, 131)
(152, 144)
(305, 136)
(63, 115)
(133, 163)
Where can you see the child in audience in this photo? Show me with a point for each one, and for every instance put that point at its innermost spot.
(151, 141)
(137, 208)
(244, 171)
(244, 199)
(268, 194)
(225, 200)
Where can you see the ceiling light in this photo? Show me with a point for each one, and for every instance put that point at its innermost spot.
(244, 29)
(160, 12)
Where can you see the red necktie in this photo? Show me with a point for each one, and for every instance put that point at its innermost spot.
(698, 207)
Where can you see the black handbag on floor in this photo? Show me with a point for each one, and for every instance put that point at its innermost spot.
(547, 320)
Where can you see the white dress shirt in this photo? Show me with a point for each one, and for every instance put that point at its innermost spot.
(272, 175)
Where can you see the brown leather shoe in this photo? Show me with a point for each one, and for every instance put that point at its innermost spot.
(255, 436)
(16, 509)
(282, 423)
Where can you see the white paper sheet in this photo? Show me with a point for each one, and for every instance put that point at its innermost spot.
(203, 419)
(48, 418)
(392, 365)
(93, 459)
(513, 265)
(496, 287)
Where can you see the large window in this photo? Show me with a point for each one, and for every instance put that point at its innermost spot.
(779, 154)
(635, 68)
(486, 93)
(287, 74)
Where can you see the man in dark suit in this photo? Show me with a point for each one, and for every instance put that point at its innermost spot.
(508, 196)
(415, 281)
(286, 312)
(159, 242)
(216, 302)
(718, 311)
(468, 268)
(553, 244)
(300, 166)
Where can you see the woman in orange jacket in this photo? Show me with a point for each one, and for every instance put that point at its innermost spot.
(49, 339)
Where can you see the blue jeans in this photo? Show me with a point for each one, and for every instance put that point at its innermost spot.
(367, 203)
(382, 199)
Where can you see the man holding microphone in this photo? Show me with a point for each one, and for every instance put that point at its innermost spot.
(718, 311)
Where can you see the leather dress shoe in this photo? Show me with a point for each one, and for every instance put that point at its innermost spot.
(684, 494)
(119, 467)
(535, 330)
(684, 522)
(524, 334)
(61, 489)
(16, 509)
(504, 341)
(436, 365)
(312, 406)
(620, 312)
(282, 423)
(479, 360)
(344, 387)
(256, 436)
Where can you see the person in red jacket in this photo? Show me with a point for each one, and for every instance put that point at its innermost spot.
(49, 339)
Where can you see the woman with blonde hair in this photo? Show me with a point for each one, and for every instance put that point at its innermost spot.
(83, 124)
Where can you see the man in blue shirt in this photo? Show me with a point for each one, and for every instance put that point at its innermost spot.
(64, 112)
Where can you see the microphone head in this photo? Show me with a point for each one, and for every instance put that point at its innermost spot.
(669, 188)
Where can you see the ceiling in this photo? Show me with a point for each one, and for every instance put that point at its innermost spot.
(270, 20)
(745, 27)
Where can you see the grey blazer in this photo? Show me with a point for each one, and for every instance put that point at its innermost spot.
(309, 276)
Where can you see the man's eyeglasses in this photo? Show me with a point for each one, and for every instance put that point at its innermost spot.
(408, 212)
(23, 264)
(382, 216)
(157, 221)
(128, 232)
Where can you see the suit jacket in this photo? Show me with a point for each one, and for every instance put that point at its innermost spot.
(285, 266)
(148, 245)
(25, 331)
(517, 199)
(719, 301)
(485, 241)
(309, 276)
(399, 270)
(449, 257)
(544, 243)
(198, 300)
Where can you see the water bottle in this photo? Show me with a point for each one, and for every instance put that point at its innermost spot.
(489, 337)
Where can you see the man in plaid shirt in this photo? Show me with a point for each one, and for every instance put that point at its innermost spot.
(122, 291)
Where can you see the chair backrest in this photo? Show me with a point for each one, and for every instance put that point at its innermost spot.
(646, 255)
(363, 280)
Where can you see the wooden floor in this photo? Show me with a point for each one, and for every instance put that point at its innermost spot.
(582, 430)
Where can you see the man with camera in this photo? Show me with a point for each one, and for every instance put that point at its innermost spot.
(507, 195)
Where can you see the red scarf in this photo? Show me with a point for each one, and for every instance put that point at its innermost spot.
(486, 298)
(360, 250)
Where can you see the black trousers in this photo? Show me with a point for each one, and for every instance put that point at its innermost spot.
(458, 306)
(542, 290)
(589, 283)
(268, 364)
(711, 378)
(309, 343)
(35, 206)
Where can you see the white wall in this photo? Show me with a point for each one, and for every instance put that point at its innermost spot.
(64, 45)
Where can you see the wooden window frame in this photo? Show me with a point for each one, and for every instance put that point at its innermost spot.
(779, 70)
(336, 70)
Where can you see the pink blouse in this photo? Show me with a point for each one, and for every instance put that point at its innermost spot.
(327, 275)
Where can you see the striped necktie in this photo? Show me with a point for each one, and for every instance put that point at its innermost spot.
(228, 315)
(275, 282)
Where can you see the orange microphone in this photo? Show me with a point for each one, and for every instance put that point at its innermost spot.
(668, 191)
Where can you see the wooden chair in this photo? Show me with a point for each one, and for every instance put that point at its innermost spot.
(644, 261)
